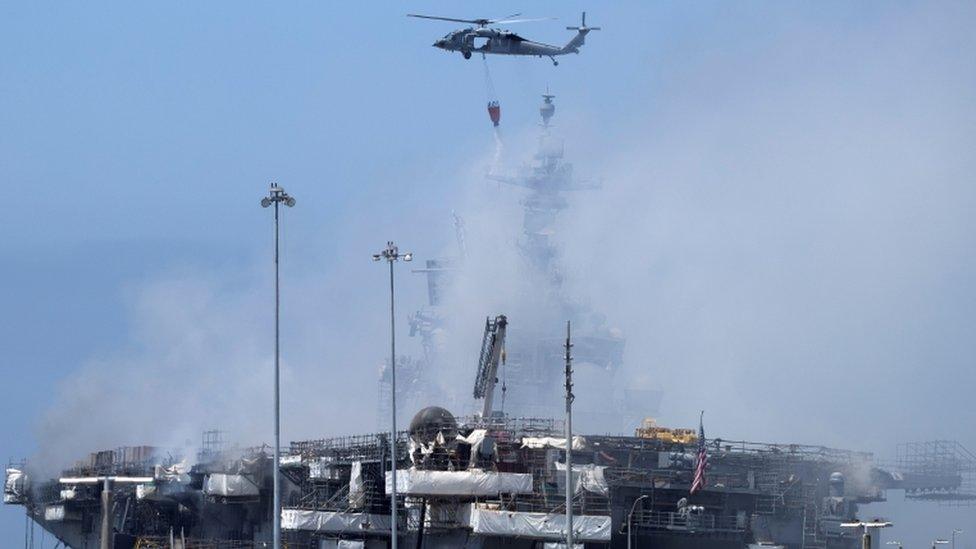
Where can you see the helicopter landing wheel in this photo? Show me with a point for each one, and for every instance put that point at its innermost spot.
(466, 54)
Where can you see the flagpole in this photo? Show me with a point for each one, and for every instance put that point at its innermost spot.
(701, 461)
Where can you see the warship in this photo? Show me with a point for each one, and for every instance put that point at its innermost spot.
(496, 467)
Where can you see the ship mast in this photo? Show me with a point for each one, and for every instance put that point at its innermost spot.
(570, 489)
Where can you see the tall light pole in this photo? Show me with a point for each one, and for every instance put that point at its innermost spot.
(392, 254)
(630, 517)
(277, 196)
(954, 532)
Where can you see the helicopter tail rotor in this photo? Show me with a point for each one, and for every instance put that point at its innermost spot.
(583, 28)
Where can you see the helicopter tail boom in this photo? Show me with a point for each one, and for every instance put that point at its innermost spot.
(577, 41)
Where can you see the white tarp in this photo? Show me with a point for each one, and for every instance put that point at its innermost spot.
(592, 528)
(178, 472)
(412, 447)
(352, 544)
(101, 480)
(579, 443)
(290, 461)
(357, 488)
(229, 486)
(416, 447)
(560, 545)
(587, 477)
(333, 521)
(459, 483)
(475, 439)
(14, 486)
(145, 491)
(54, 513)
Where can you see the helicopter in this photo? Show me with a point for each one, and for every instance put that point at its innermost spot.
(487, 40)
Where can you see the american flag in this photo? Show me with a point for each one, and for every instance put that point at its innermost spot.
(702, 462)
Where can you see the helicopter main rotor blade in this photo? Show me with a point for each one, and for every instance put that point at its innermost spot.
(472, 21)
(506, 17)
(510, 21)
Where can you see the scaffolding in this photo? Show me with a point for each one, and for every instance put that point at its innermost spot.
(942, 471)
(176, 541)
(124, 461)
(212, 443)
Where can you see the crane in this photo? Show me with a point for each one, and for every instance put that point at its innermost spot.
(492, 352)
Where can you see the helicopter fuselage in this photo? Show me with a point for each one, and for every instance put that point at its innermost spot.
(498, 42)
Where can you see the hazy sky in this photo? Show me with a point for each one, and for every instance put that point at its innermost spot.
(786, 233)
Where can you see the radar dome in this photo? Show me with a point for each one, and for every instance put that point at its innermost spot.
(836, 484)
(430, 421)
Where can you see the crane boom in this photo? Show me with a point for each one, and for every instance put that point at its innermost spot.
(492, 348)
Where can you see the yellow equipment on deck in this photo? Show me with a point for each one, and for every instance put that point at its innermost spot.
(650, 429)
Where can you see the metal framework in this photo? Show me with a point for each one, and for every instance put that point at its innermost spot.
(942, 471)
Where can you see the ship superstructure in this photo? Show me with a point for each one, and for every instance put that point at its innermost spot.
(496, 482)
(532, 372)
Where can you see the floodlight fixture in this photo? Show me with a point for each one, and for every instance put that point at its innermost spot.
(860, 524)
(277, 195)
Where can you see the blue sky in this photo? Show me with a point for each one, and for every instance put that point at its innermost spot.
(138, 138)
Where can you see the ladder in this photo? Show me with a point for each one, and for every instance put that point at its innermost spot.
(811, 537)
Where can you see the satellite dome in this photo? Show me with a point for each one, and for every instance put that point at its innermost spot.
(430, 421)
(836, 484)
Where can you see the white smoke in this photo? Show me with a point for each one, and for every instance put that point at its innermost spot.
(199, 356)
